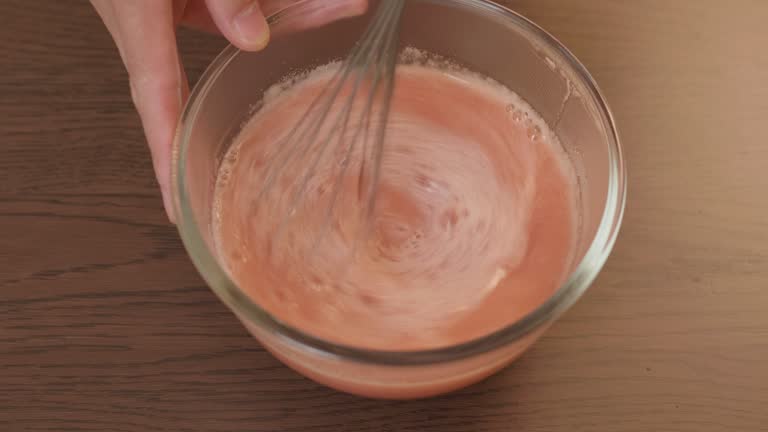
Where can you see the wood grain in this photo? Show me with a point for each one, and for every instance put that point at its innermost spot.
(106, 326)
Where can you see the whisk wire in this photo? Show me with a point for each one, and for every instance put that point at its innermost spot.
(360, 61)
(387, 67)
(375, 53)
(289, 144)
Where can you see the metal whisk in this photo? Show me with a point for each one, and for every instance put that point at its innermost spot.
(338, 123)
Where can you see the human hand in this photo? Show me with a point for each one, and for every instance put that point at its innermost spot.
(145, 34)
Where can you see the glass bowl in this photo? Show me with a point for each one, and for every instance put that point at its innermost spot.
(485, 38)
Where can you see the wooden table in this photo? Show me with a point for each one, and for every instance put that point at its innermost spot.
(106, 326)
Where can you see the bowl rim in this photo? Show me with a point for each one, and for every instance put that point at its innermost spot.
(565, 296)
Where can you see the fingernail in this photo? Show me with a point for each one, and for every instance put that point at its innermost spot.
(251, 27)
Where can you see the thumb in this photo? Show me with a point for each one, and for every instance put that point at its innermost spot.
(242, 22)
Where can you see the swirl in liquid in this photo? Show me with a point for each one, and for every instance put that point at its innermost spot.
(473, 228)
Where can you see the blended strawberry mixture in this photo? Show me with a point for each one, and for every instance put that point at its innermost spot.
(473, 227)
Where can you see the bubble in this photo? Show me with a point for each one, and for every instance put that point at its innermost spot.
(517, 115)
(534, 133)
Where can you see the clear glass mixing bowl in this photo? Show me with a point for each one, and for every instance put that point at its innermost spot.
(485, 38)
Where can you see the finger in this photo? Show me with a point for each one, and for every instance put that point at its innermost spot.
(147, 41)
(327, 9)
(196, 16)
(314, 14)
(242, 22)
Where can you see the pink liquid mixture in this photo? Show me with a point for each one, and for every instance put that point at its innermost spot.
(474, 224)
